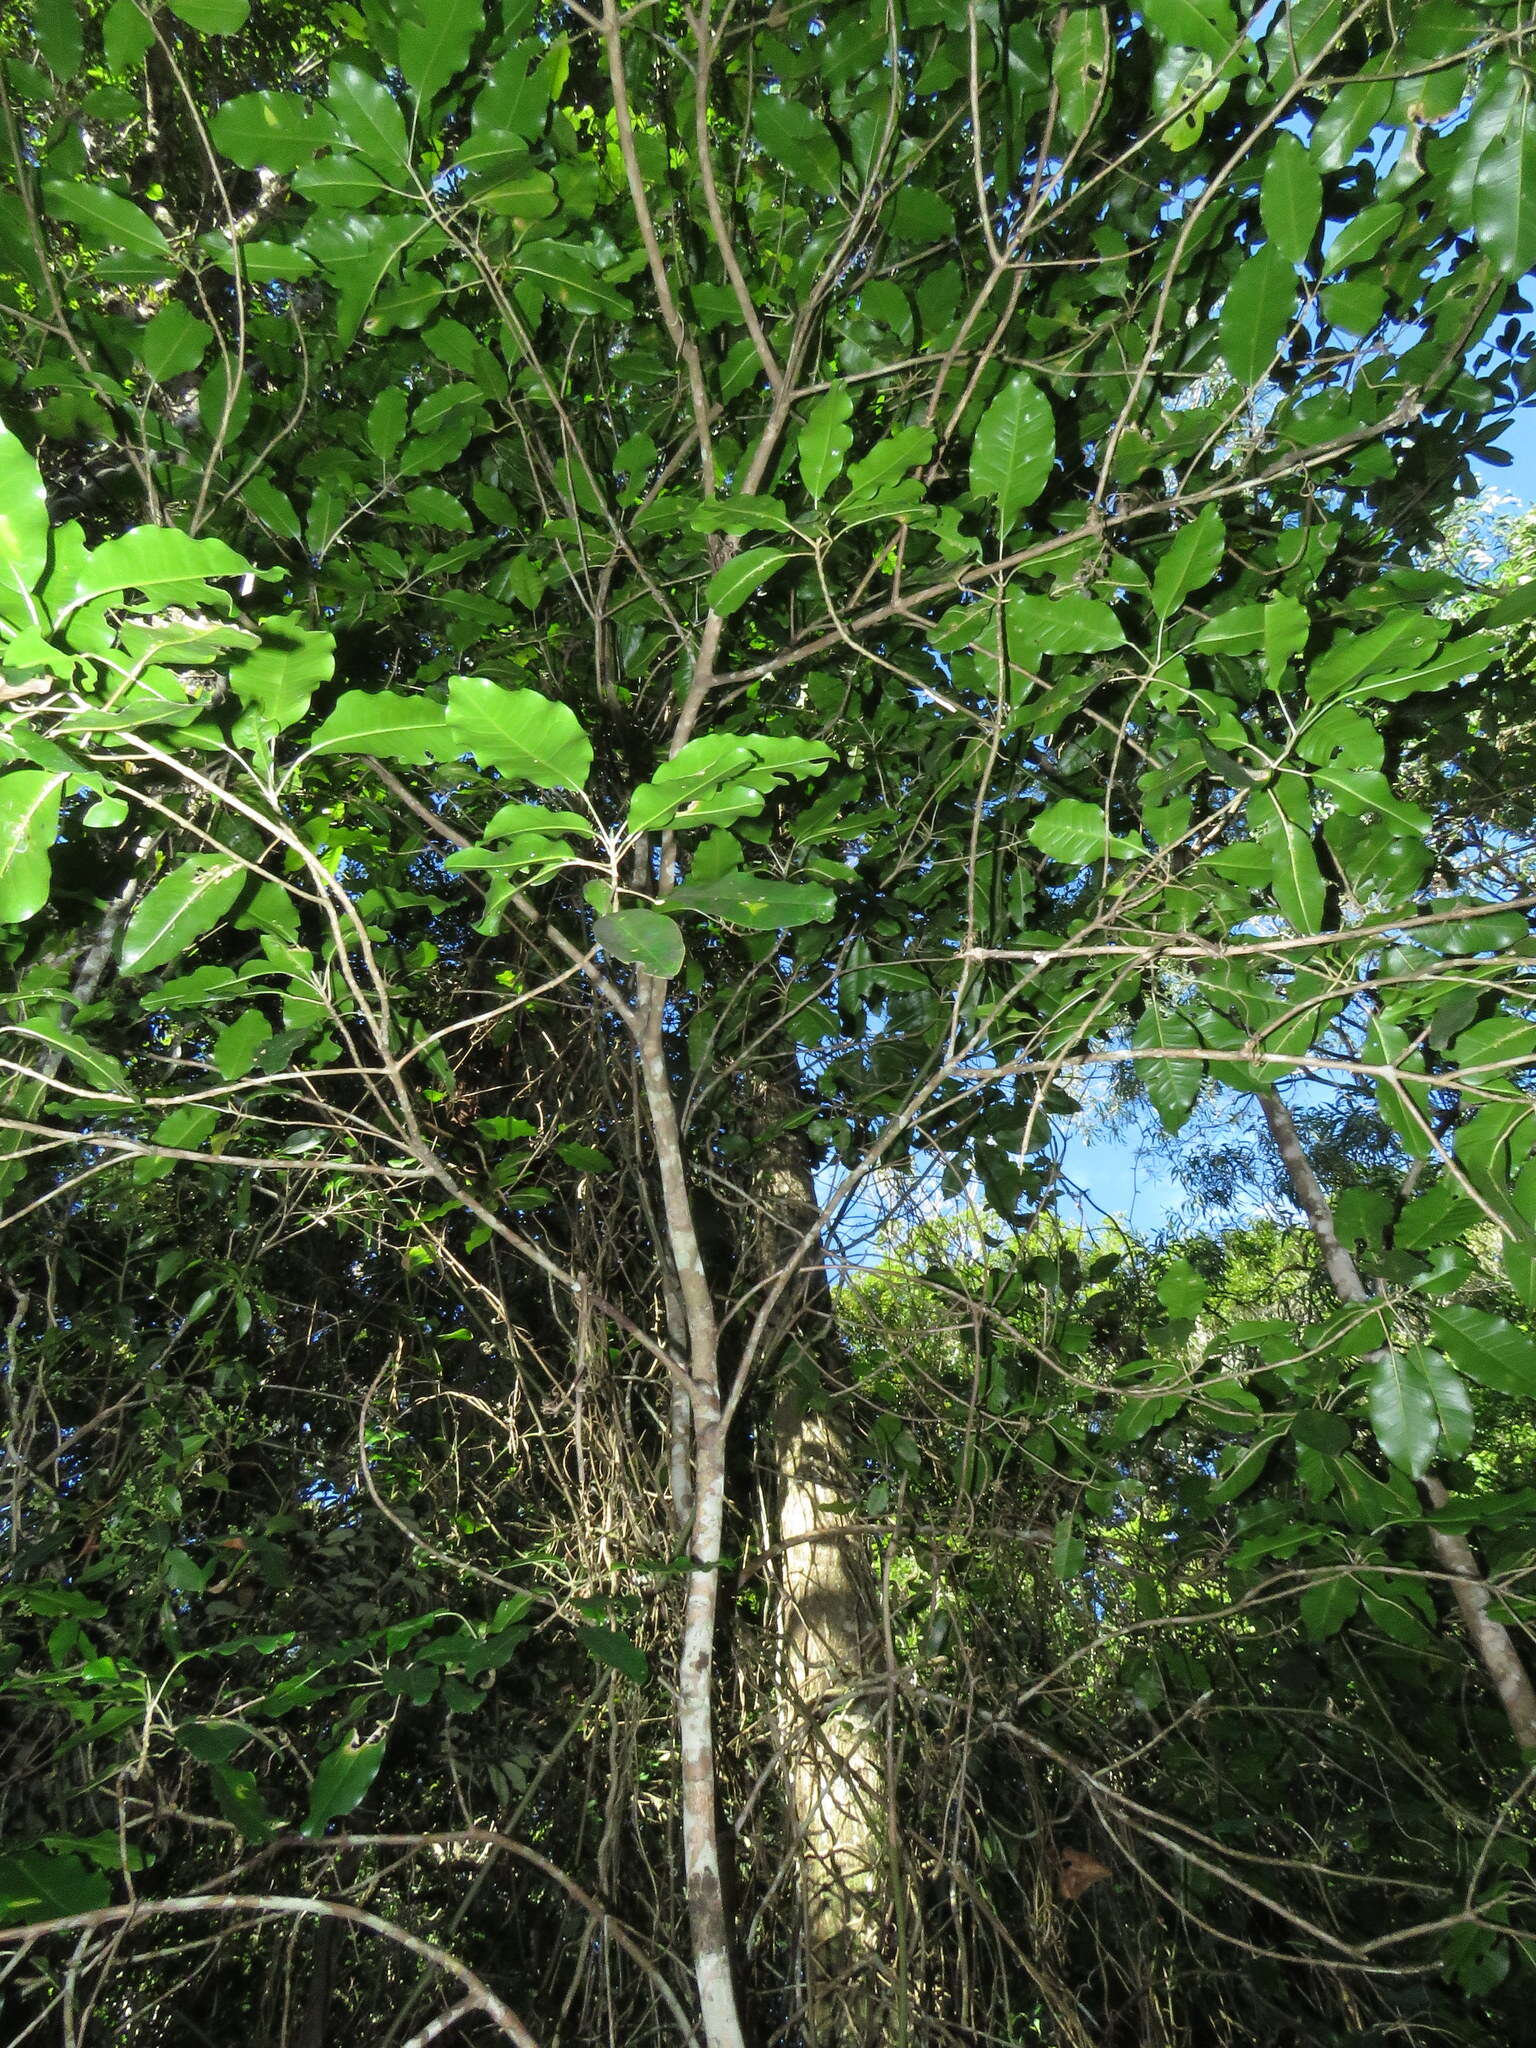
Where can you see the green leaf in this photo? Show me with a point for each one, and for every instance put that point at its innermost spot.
(1014, 448)
(174, 342)
(1294, 875)
(730, 587)
(340, 1783)
(277, 679)
(1453, 1404)
(212, 17)
(1204, 25)
(1321, 1430)
(57, 28)
(107, 221)
(37, 1886)
(164, 565)
(1504, 198)
(1080, 65)
(385, 723)
(23, 516)
(567, 276)
(29, 822)
(608, 1647)
(757, 902)
(794, 137)
(1258, 308)
(1078, 833)
(368, 118)
(643, 937)
(1327, 1604)
(1190, 561)
(126, 34)
(1291, 198)
(276, 131)
(524, 736)
(1238, 1468)
(239, 1045)
(1487, 1349)
(355, 254)
(1403, 1412)
(824, 441)
(1060, 625)
(180, 908)
(1172, 1084)
(890, 459)
(435, 43)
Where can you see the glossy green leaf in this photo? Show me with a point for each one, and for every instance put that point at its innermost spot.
(29, 821)
(35, 1885)
(1080, 64)
(174, 341)
(798, 140)
(1190, 561)
(824, 441)
(277, 679)
(181, 907)
(1014, 448)
(1078, 833)
(1173, 1084)
(435, 43)
(524, 736)
(1328, 1604)
(645, 938)
(106, 220)
(57, 28)
(1403, 1413)
(23, 516)
(1504, 198)
(742, 577)
(368, 118)
(386, 723)
(1205, 25)
(1259, 306)
(1487, 1348)
(607, 1646)
(126, 33)
(163, 565)
(568, 277)
(757, 902)
(1290, 198)
(239, 1045)
(212, 17)
(340, 1784)
(278, 130)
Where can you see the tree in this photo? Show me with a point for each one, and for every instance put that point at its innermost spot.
(629, 635)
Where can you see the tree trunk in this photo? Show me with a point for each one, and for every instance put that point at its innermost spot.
(1491, 1640)
(834, 1759)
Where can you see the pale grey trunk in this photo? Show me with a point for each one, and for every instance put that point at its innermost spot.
(834, 1758)
(1490, 1639)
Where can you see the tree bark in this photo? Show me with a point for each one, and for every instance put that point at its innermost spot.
(707, 1918)
(1490, 1639)
(834, 1760)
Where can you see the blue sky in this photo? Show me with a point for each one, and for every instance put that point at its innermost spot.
(1124, 1175)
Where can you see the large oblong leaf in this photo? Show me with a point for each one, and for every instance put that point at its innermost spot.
(340, 1783)
(645, 938)
(29, 819)
(524, 736)
(105, 219)
(1014, 448)
(825, 440)
(1256, 312)
(180, 908)
(730, 587)
(23, 516)
(757, 902)
(383, 722)
(1403, 1412)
